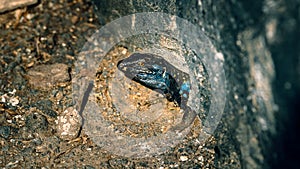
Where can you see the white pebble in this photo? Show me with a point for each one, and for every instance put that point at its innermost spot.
(183, 158)
(14, 101)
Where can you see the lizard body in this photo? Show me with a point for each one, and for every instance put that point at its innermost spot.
(155, 72)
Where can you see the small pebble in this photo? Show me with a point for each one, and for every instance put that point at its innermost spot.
(68, 124)
(14, 101)
(183, 158)
(4, 131)
(46, 76)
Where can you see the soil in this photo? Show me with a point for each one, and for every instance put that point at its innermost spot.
(47, 37)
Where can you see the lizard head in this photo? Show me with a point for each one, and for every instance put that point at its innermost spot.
(133, 65)
(143, 69)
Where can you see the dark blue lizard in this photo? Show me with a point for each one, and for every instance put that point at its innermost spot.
(155, 72)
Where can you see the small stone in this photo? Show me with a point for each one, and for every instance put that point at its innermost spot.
(3, 98)
(74, 19)
(183, 158)
(7, 5)
(68, 124)
(4, 131)
(47, 76)
(14, 101)
(36, 123)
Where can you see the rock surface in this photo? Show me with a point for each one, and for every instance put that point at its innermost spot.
(47, 76)
(9, 5)
(68, 124)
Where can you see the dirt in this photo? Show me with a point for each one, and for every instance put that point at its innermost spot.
(33, 100)
(138, 104)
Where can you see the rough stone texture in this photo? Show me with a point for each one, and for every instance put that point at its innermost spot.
(68, 124)
(244, 32)
(4, 131)
(47, 76)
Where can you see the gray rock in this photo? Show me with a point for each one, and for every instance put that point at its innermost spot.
(4, 131)
(240, 31)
